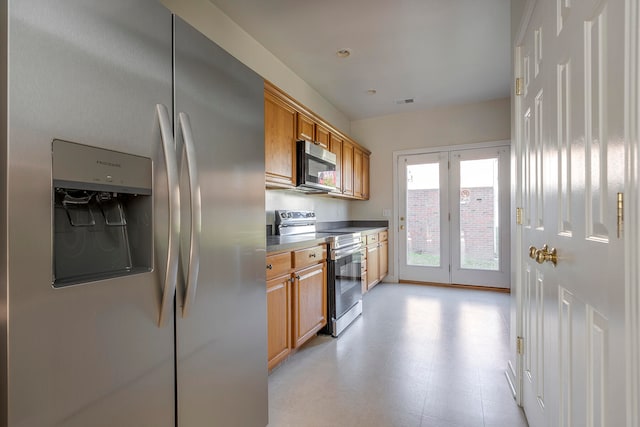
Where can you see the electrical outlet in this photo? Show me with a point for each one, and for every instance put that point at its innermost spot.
(386, 213)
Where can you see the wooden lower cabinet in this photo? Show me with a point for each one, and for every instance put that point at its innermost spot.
(384, 259)
(278, 319)
(375, 259)
(373, 264)
(296, 300)
(309, 302)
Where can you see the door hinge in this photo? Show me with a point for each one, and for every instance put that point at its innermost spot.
(519, 86)
(520, 345)
(519, 216)
(620, 214)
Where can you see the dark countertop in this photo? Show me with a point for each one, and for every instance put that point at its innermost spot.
(300, 241)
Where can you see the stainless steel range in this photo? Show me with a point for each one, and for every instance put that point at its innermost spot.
(344, 273)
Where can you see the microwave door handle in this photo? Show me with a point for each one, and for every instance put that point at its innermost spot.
(196, 214)
(171, 273)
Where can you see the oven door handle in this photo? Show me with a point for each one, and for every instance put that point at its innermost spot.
(341, 253)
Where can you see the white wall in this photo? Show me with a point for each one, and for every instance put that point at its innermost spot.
(453, 125)
(212, 22)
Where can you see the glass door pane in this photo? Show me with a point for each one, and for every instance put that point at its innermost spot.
(423, 214)
(479, 214)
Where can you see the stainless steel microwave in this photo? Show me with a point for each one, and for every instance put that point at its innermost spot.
(316, 168)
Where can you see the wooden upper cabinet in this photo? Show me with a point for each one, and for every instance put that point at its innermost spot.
(287, 121)
(306, 128)
(347, 168)
(357, 172)
(279, 142)
(335, 146)
(365, 176)
(322, 136)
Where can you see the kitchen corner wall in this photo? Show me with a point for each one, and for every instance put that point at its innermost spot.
(212, 22)
(438, 127)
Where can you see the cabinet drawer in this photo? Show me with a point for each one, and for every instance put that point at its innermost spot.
(278, 264)
(372, 238)
(383, 236)
(309, 256)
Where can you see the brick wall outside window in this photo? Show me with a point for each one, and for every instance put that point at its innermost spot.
(476, 219)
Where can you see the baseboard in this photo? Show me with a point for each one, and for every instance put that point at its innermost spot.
(457, 285)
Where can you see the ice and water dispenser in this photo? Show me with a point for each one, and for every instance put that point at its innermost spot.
(102, 205)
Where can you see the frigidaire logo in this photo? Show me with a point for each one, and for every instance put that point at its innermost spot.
(103, 163)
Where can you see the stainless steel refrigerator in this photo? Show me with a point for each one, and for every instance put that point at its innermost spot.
(132, 217)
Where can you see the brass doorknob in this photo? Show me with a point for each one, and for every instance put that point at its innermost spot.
(544, 254)
(402, 227)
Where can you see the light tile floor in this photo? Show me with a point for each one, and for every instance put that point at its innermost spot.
(419, 356)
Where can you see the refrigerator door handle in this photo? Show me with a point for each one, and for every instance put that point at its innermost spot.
(171, 274)
(196, 214)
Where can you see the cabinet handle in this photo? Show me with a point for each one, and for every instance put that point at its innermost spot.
(269, 267)
(312, 255)
(298, 277)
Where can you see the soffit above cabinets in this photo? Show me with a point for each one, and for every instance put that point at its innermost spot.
(436, 52)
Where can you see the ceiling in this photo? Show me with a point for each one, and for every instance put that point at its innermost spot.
(437, 52)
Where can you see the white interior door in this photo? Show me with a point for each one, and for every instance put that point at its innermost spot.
(479, 195)
(424, 217)
(572, 136)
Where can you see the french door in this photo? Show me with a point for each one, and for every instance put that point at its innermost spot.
(453, 217)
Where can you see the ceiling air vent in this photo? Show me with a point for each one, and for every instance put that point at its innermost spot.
(405, 101)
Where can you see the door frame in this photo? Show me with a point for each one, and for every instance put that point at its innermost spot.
(514, 368)
(396, 187)
(631, 208)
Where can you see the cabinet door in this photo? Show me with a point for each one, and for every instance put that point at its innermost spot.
(357, 172)
(306, 128)
(278, 319)
(384, 259)
(373, 265)
(309, 302)
(363, 253)
(347, 168)
(335, 146)
(322, 137)
(279, 141)
(365, 176)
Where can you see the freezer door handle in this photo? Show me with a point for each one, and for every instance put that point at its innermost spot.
(196, 214)
(171, 274)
